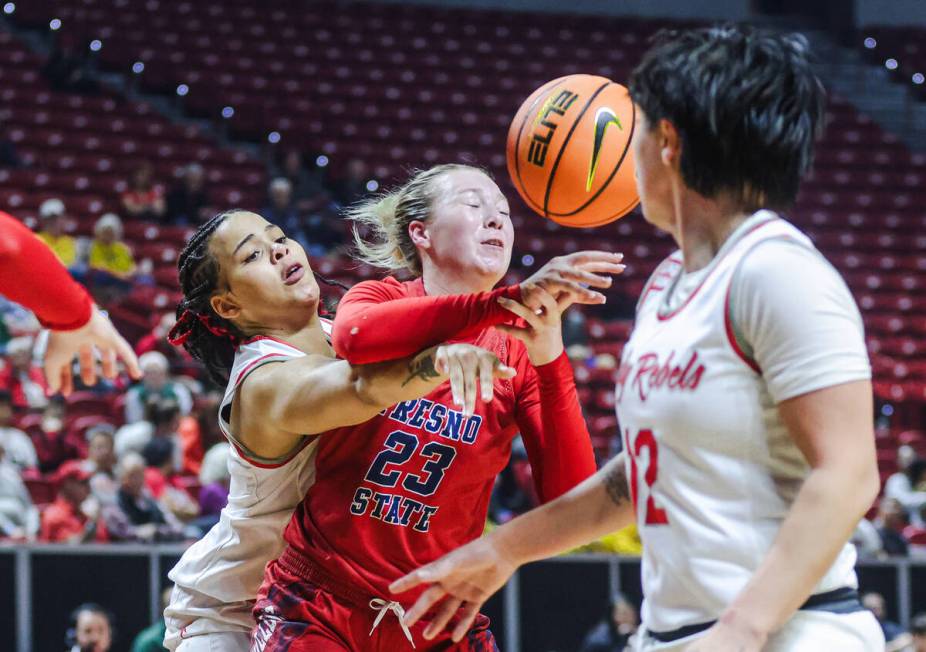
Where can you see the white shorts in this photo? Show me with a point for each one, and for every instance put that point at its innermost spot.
(216, 642)
(807, 631)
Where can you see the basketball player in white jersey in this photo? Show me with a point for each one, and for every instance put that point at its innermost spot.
(744, 394)
(250, 314)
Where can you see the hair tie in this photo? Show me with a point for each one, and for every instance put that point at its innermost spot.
(182, 330)
(218, 331)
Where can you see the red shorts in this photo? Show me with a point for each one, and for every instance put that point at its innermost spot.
(295, 615)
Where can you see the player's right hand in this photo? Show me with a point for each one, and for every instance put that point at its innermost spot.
(466, 578)
(570, 278)
(466, 366)
(97, 335)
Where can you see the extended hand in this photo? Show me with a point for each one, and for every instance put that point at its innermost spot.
(466, 365)
(466, 577)
(99, 333)
(566, 278)
(543, 335)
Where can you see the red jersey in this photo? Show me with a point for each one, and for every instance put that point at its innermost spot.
(414, 482)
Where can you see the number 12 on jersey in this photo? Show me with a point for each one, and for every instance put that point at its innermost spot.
(643, 452)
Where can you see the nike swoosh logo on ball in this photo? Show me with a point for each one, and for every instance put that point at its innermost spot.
(604, 118)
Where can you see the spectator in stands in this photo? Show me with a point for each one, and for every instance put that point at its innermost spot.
(53, 445)
(136, 516)
(188, 201)
(281, 209)
(353, 186)
(108, 253)
(91, 629)
(162, 418)
(53, 220)
(69, 71)
(72, 518)
(904, 484)
(144, 199)
(895, 636)
(513, 494)
(19, 519)
(867, 539)
(199, 431)
(20, 450)
(613, 634)
(151, 639)
(891, 521)
(162, 481)
(22, 377)
(155, 381)
(306, 185)
(102, 463)
(918, 631)
(156, 340)
(214, 478)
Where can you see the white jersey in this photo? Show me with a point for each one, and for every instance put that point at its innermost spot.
(713, 470)
(217, 579)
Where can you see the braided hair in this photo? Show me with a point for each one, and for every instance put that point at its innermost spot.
(204, 334)
(208, 337)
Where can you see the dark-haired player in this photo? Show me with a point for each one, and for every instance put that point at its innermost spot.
(744, 392)
(250, 314)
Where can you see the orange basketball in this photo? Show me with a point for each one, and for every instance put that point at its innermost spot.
(569, 151)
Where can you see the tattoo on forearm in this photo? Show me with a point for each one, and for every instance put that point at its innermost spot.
(615, 482)
(422, 367)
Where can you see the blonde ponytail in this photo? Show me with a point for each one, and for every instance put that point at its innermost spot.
(381, 223)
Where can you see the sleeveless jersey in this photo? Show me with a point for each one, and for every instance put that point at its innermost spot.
(713, 471)
(410, 484)
(217, 578)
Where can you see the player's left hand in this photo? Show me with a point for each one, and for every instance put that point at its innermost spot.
(729, 637)
(543, 335)
(465, 578)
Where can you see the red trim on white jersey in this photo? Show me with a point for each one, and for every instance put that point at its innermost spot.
(731, 336)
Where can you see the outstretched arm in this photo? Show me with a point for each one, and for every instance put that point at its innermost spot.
(32, 276)
(468, 576)
(314, 394)
(375, 321)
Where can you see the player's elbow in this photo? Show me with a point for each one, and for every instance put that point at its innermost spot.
(10, 247)
(347, 341)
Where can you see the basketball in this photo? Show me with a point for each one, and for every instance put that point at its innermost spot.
(569, 153)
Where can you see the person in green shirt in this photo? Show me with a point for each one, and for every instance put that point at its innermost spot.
(151, 639)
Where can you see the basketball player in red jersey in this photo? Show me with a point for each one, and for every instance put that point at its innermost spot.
(32, 276)
(415, 481)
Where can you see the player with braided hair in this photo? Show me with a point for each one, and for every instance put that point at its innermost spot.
(250, 315)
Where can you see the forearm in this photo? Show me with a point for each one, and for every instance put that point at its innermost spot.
(821, 520)
(32, 276)
(387, 383)
(372, 328)
(599, 505)
(567, 457)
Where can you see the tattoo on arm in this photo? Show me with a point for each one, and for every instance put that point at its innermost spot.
(421, 367)
(615, 481)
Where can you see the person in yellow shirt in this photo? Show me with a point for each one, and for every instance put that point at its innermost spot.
(53, 218)
(107, 252)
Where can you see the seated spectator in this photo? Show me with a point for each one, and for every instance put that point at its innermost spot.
(144, 199)
(53, 220)
(151, 639)
(108, 254)
(53, 445)
(19, 519)
(188, 201)
(352, 187)
(155, 381)
(162, 418)
(306, 185)
(91, 629)
(613, 634)
(904, 484)
(102, 463)
(19, 448)
(215, 480)
(895, 636)
(867, 540)
(891, 521)
(282, 211)
(72, 518)
(161, 480)
(22, 377)
(918, 631)
(136, 516)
